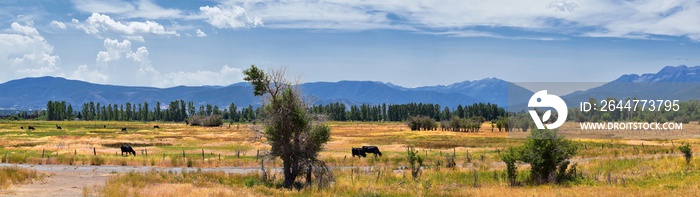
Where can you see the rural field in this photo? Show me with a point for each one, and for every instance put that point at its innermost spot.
(84, 158)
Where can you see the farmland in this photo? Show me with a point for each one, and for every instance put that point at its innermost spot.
(621, 164)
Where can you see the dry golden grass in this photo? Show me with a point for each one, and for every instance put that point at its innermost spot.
(638, 166)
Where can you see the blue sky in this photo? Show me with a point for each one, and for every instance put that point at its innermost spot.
(409, 43)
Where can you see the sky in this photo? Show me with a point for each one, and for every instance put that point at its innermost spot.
(163, 43)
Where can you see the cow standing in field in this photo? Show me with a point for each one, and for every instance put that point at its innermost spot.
(128, 150)
(21, 128)
(156, 127)
(124, 130)
(31, 128)
(58, 127)
(372, 149)
(359, 152)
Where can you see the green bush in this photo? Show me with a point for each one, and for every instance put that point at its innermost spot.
(510, 157)
(546, 152)
(415, 161)
(208, 121)
(96, 161)
(687, 152)
(417, 123)
(250, 182)
(190, 163)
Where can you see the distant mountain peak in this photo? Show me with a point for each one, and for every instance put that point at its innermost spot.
(681, 73)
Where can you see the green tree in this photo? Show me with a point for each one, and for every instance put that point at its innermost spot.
(289, 129)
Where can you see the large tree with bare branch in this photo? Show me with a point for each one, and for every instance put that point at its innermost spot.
(289, 129)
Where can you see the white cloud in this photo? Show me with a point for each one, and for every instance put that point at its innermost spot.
(229, 16)
(137, 9)
(608, 18)
(24, 52)
(84, 73)
(135, 38)
(226, 76)
(115, 50)
(100, 24)
(200, 33)
(58, 24)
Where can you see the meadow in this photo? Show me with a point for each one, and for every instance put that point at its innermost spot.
(624, 164)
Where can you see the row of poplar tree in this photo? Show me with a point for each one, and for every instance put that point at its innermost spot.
(176, 111)
(179, 110)
(401, 112)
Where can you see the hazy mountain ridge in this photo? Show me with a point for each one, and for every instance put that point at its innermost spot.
(33, 93)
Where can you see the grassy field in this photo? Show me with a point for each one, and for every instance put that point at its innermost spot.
(621, 165)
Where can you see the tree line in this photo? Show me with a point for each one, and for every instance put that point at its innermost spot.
(179, 111)
(403, 112)
(176, 111)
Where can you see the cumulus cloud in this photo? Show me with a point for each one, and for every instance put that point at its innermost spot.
(84, 73)
(24, 52)
(99, 24)
(229, 16)
(125, 9)
(58, 24)
(226, 76)
(114, 50)
(119, 59)
(200, 33)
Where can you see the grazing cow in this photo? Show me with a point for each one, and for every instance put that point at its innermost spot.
(58, 127)
(156, 127)
(123, 129)
(104, 126)
(21, 128)
(128, 150)
(359, 152)
(372, 149)
(31, 128)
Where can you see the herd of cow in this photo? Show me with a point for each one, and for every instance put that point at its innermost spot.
(362, 152)
(359, 152)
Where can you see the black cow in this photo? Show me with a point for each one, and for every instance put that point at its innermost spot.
(128, 150)
(31, 128)
(372, 149)
(123, 129)
(104, 126)
(156, 127)
(359, 152)
(58, 127)
(21, 128)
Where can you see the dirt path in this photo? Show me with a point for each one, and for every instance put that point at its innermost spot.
(66, 180)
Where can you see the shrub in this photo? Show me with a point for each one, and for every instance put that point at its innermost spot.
(250, 182)
(687, 152)
(510, 157)
(96, 161)
(417, 123)
(190, 163)
(546, 152)
(414, 160)
(208, 121)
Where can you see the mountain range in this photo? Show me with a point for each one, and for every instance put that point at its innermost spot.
(33, 93)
